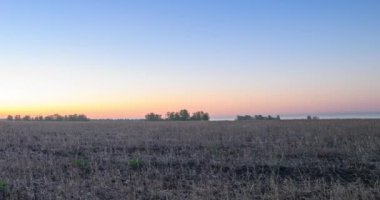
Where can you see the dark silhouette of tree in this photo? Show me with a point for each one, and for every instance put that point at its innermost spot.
(245, 117)
(312, 118)
(76, 117)
(184, 115)
(48, 118)
(200, 115)
(18, 117)
(257, 117)
(83, 117)
(206, 117)
(153, 117)
(57, 117)
(26, 118)
(73, 117)
(172, 116)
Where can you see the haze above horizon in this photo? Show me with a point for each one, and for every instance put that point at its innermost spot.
(123, 59)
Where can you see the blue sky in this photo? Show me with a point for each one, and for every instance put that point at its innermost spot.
(228, 57)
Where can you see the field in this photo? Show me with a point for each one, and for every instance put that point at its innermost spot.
(321, 159)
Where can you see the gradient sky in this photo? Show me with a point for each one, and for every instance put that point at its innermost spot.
(119, 59)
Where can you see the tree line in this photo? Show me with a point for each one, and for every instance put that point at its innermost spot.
(182, 115)
(257, 117)
(55, 117)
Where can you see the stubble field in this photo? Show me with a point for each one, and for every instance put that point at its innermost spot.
(322, 159)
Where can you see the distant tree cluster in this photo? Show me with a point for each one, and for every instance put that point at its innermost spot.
(257, 117)
(182, 115)
(153, 117)
(312, 118)
(55, 117)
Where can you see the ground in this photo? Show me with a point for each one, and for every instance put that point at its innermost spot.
(290, 159)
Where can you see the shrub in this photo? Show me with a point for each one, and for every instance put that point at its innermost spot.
(3, 186)
(81, 163)
(134, 163)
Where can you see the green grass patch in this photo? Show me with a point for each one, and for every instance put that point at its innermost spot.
(3, 186)
(134, 163)
(81, 163)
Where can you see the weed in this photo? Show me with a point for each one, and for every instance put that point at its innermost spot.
(134, 163)
(81, 163)
(3, 186)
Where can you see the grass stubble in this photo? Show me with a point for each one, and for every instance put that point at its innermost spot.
(323, 159)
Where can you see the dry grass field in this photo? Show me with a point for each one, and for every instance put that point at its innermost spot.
(322, 159)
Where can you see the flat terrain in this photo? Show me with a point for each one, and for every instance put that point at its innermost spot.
(332, 159)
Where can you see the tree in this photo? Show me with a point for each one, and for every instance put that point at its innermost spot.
(173, 116)
(170, 116)
(206, 117)
(76, 117)
(82, 117)
(196, 115)
(184, 115)
(26, 118)
(10, 117)
(245, 117)
(57, 117)
(18, 117)
(200, 115)
(73, 117)
(48, 118)
(153, 117)
(259, 117)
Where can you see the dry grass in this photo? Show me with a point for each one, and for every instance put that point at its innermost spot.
(190, 160)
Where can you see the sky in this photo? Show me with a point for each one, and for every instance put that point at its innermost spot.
(123, 59)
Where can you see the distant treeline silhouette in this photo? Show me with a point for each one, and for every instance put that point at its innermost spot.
(55, 117)
(257, 117)
(312, 118)
(182, 115)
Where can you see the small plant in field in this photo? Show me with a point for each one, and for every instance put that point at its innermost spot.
(277, 159)
(3, 186)
(81, 163)
(134, 163)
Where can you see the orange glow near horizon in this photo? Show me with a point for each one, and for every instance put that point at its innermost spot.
(217, 105)
(102, 94)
